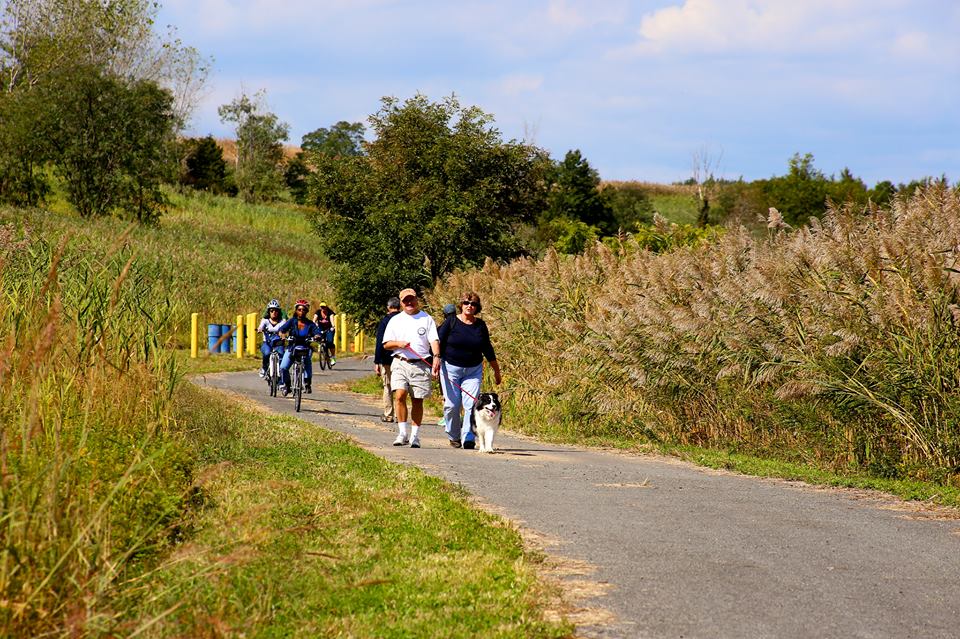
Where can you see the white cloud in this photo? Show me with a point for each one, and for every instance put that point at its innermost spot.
(734, 26)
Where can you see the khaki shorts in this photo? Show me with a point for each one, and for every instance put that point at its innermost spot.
(414, 377)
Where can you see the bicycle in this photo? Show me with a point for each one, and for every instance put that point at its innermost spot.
(273, 370)
(297, 372)
(323, 354)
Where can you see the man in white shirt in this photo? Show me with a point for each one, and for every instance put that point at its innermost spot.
(412, 336)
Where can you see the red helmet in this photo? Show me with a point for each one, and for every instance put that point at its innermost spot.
(304, 303)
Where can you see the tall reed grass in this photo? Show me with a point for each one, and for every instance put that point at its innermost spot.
(91, 479)
(836, 343)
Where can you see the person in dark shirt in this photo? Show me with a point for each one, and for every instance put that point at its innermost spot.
(464, 343)
(382, 359)
(324, 319)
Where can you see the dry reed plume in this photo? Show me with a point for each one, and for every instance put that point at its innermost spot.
(836, 343)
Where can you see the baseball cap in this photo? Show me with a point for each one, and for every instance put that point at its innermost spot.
(407, 292)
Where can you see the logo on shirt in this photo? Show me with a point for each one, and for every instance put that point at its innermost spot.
(421, 331)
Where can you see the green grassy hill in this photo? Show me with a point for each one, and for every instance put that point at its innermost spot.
(215, 255)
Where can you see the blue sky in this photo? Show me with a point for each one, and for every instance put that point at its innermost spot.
(638, 86)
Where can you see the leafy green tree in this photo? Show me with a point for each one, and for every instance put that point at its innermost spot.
(110, 141)
(575, 195)
(882, 193)
(260, 136)
(630, 205)
(204, 166)
(847, 189)
(24, 148)
(438, 190)
(295, 174)
(802, 192)
(343, 139)
(42, 37)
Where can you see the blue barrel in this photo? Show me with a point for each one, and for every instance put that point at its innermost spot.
(225, 346)
(213, 334)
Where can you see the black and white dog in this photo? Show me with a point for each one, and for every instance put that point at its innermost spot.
(486, 420)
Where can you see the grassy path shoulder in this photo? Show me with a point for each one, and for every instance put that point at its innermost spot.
(914, 490)
(302, 533)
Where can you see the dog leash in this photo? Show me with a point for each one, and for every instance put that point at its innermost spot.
(466, 392)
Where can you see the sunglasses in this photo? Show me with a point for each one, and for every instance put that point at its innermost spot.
(470, 303)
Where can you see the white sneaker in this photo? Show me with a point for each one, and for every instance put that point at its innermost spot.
(401, 441)
(415, 442)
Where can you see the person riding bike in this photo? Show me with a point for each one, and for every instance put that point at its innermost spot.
(324, 319)
(302, 330)
(269, 326)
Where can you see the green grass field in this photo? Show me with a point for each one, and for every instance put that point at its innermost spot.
(303, 534)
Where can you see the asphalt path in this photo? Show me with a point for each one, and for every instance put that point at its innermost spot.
(659, 548)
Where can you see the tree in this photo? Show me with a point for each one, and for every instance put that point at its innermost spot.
(705, 164)
(260, 136)
(42, 37)
(438, 190)
(205, 168)
(629, 204)
(110, 141)
(343, 139)
(802, 192)
(848, 189)
(575, 195)
(24, 148)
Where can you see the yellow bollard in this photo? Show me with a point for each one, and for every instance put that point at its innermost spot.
(356, 338)
(239, 336)
(363, 346)
(251, 333)
(342, 331)
(194, 334)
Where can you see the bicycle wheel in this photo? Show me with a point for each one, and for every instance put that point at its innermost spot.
(297, 381)
(274, 373)
(323, 356)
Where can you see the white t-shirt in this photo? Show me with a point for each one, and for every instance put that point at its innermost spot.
(419, 329)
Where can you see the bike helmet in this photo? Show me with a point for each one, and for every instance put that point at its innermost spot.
(304, 303)
(274, 304)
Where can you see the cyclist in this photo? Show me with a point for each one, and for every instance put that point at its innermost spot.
(324, 319)
(302, 330)
(269, 325)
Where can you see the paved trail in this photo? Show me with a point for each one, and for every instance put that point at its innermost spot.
(680, 551)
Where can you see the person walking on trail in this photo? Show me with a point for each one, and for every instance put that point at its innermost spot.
(449, 311)
(412, 336)
(382, 360)
(464, 343)
(324, 319)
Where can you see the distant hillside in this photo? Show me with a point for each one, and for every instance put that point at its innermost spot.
(229, 147)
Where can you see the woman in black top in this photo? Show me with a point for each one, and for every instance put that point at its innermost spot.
(464, 342)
